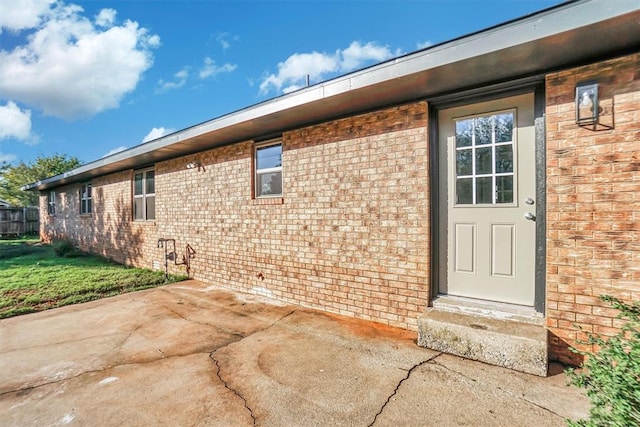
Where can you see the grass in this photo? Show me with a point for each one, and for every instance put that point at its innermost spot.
(33, 277)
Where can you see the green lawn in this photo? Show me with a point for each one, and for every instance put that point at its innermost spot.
(34, 278)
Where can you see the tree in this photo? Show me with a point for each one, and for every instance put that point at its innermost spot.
(13, 178)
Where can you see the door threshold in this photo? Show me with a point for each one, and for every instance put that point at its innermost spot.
(489, 309)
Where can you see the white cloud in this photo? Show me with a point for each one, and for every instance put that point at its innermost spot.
(8, 158)
(210, 69)
(156, 133)
(116, 150)
(180, 79)
(23, 15)
(71, 67)
(106, 17)
(293, 72)
(357, 54)
(14, 122)
(424, 45)
(225, 40)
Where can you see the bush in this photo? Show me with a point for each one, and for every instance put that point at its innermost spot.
(611, 375)
(66, 249)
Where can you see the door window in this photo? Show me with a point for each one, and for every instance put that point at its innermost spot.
(484, 166)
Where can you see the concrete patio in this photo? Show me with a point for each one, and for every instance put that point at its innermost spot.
(192, 354)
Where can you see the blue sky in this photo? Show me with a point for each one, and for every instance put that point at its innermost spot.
(88, 78)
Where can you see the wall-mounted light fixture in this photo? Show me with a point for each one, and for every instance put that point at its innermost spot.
(194, 165)
(587, 109)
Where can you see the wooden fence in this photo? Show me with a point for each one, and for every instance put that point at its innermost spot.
(19, 221)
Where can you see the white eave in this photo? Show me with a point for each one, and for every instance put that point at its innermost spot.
(570, 34)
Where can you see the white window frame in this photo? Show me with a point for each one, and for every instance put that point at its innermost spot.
(493, 174)
(257, 172)
(145, 196)
(86, 202)
(51, 202)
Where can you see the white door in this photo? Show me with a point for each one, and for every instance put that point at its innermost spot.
(487, 200)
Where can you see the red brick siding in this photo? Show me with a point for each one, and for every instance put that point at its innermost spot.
(108, 230)
(350, 234)
(593, 197)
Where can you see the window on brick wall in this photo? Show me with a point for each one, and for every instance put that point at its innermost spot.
(85, 199)
(268, 169)
(51, 203)
(484, 163)
(144, 195)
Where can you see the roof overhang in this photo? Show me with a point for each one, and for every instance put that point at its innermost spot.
(569, 34)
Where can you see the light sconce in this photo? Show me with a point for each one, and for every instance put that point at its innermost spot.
(194, 165)
(587, 108)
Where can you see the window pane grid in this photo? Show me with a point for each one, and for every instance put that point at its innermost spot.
(52, 202)
(85, 199)
(144, 206)
(137, 184)
(484, 159)
(268, 170)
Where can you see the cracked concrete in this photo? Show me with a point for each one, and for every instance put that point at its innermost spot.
(395, 391)
(192, 354)
(226, 384)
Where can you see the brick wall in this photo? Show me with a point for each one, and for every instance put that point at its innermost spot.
(593, 201)
(108, 231)
(350, 234)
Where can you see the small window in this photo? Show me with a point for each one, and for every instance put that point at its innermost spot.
(484, 159)
(268, 170)
(51, 203)
(144, 195)
(85, 199)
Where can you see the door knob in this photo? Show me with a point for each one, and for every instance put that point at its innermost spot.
(530, 216)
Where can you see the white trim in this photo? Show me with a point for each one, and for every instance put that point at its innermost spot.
(493, 174)
(87, 209)
(51, 202)
(258, 172)
(144, 196)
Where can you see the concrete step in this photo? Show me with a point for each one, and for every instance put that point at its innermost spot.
(507, 343)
